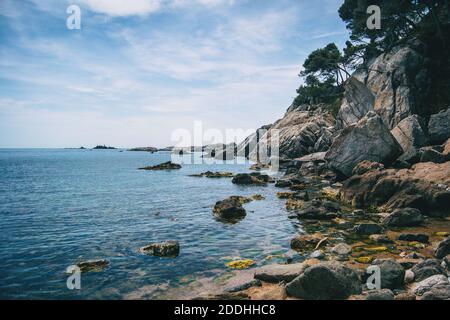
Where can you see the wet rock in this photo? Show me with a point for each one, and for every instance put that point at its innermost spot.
(383, 294)
(230, 209)
(341, 249)
(406, 217)
(443, 249)
(438, 127)
(163, 166)
(366, 166)
(438, 292)
(210, 174)
(93, 265)
(255, 178)
(317, 254)
(163, 249)
(408, 263)
(325, 281)
(319, 210)
(282, 183)
(305, 242)
(277, 273)
(430, 282)
(245, 286)
(380, 238)
(259, 166)
(369, 139)
(392, 274)
(419, 237)
(368, 228)
(426, 269)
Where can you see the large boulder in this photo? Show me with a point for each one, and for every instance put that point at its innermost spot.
(421, 187)
(427, 284)
(369, 139)
(439, 126)
(394, 86)
(325, 281)
(411, 136)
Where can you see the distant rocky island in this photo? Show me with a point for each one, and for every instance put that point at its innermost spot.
(103, 147)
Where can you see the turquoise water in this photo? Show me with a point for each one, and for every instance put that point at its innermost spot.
(59, 207)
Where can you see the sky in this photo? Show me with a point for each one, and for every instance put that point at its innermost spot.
(139, 70)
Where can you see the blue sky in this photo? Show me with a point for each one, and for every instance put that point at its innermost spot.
(140, 69)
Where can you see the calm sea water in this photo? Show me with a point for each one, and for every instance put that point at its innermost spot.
(59, 207)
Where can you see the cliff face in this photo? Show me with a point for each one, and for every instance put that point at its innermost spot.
(394, 86)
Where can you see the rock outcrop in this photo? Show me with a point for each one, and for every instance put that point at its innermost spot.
(368, 139)
(439, 126)
(411, 136)
(424, 187)
(393, 86)
(297, 134)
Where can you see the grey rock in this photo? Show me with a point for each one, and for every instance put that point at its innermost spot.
(427, 284)
(325, 281)
(426, 269)
(404, 217)
(369, 139)
(409, 276)
(383, 294)
(392, 274)
(277, 273)
(438, 292)
(229, 209)
(443, 249)
(419, 237)
(410, 135)
(439, 126)
(368, 228)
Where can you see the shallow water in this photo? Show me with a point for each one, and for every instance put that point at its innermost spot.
(59, 207)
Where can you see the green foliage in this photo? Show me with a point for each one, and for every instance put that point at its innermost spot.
(324, 73)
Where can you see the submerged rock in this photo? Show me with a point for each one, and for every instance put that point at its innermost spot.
(369, 139)
(163, 166)
(169, 249)
(93, 265)
(306, 241)
(325, 281)
(210, 174)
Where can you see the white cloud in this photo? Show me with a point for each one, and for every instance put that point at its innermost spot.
(123, 8)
